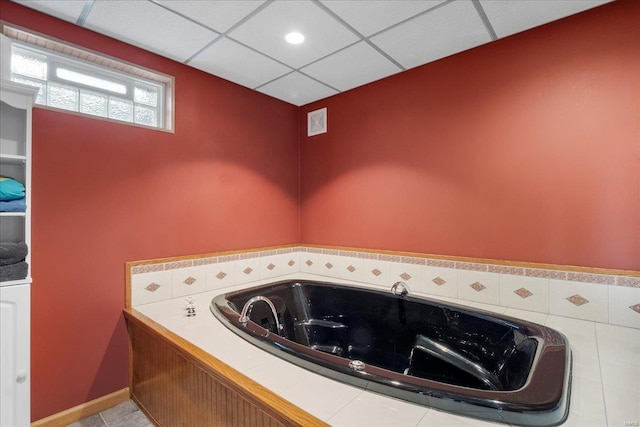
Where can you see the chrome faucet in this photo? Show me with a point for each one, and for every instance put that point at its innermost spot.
(244, 318)
(395, 289)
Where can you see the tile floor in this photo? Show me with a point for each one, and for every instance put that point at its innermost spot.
(126, 414)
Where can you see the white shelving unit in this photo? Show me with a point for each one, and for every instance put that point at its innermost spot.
(16, 104)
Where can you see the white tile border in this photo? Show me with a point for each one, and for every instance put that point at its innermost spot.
(610, 297)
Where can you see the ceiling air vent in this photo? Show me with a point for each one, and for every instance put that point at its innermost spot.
(317, 122)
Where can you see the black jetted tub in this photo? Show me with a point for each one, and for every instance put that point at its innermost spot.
(450, 357)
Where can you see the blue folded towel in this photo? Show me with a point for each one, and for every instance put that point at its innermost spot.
(10, 189)
(17, 205)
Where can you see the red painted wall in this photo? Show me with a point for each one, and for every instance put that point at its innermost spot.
(524, 149)
(106, 193)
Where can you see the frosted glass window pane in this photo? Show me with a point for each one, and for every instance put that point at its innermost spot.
(121, 109)
(40, 98)
(145, 94)
(29, 64)
(62, 97)
(146, 115)
(93, 103)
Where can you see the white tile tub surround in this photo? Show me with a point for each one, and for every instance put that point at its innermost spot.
(479, 286)
(596, 297)
(579, 300)
(624, 306)
(221, 275)
(525, 293)
(151, 287)
(412, 271)
(247, 268)
(441, 281)
(188, 280)
(289, 262)
(604, 390)
(353, 269)
(386, 412)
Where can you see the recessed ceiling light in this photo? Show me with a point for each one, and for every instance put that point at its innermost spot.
(294, 38)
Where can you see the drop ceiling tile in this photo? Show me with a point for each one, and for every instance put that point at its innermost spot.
(444, 31)
(149, 26)
(370, 16)
(68, 10)
(297, 89)
(351, 67)
(509, 17)
(230, 60)
(217, 15)
(266, 30)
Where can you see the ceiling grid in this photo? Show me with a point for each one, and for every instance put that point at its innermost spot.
(348, 43)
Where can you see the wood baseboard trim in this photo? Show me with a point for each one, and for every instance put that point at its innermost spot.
(84, 410)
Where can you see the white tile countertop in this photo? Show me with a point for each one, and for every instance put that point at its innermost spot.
(605, 387)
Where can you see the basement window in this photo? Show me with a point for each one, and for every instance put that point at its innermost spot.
(87, 83)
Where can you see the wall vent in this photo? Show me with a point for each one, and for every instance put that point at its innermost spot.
(317, 122)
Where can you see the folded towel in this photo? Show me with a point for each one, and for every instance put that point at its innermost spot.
(17, 205)
(16, 271)
(12, 253)
(10, 189)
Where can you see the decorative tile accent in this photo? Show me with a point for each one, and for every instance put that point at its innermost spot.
(413, 260)
(523, 293)
(249, 255)
(477, 286)
(566, 299)
(331, 252)
(387, 257)
(152, 287)
(367, 255)
(205, 261)
(545, 274)
(584, 287)
(471, 266)
(439, 281)
(577, 300)
(441, 263)
(147, 268)
(632, 282)
(178, 264)
(591, 278)
(505, 269)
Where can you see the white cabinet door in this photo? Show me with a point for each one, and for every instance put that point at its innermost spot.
(15, 311)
